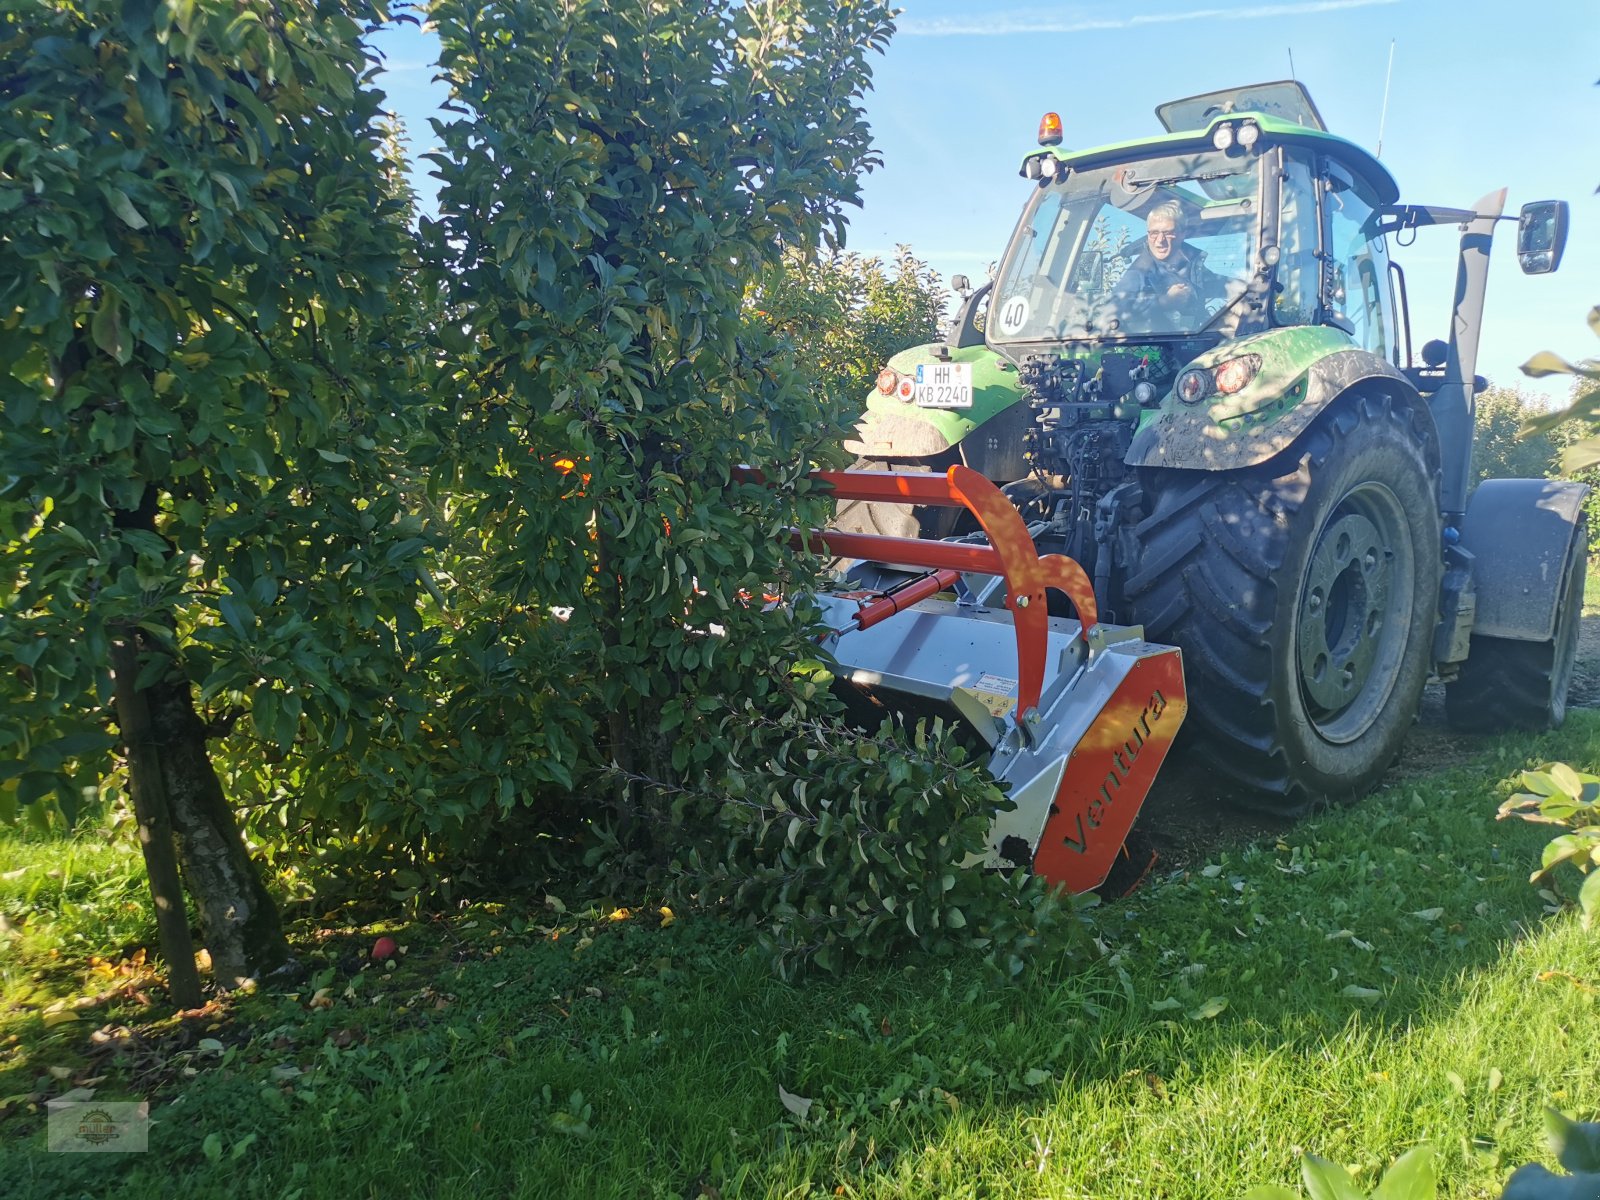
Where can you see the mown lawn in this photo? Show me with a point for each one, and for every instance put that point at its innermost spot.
(1381, 976)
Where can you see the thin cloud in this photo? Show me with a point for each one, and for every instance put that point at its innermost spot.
(1022, 21)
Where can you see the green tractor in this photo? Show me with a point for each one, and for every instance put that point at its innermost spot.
(1193, 373)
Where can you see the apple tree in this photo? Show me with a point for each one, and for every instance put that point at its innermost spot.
(204, 406)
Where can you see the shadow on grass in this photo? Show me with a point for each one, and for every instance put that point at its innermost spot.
(1347, 987)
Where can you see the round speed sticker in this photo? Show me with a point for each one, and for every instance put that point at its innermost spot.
(1014, 314)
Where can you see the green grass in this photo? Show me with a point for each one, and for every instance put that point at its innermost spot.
(62, 901)
(618, 1058)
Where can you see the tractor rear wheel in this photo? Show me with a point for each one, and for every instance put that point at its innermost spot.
(1303, 593)
(1507, 684)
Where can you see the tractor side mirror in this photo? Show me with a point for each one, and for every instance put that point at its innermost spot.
(1541, 236)
(961, 285)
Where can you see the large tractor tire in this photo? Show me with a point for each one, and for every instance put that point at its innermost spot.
(897, 520)
(1506, 684)
(1304, 594)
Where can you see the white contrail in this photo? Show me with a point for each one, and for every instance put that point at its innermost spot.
(1022, 22)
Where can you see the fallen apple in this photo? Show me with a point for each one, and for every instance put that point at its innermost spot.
(384, 949)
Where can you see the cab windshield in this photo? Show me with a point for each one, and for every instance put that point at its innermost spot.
(1159, 246)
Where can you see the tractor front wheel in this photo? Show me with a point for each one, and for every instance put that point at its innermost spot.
(1303, 593)
(897, 520)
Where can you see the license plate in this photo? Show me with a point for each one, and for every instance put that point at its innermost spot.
(944, 385)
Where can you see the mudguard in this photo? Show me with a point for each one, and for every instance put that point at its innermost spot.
(891, 429)
(1303, 370)
(1520, 532)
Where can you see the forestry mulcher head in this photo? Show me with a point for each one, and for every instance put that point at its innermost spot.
(1074, 715)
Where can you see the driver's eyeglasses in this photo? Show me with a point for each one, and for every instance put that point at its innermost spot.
(1160, 235)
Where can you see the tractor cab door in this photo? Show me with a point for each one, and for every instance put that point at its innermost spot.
(1355, 277)
(1333, 266)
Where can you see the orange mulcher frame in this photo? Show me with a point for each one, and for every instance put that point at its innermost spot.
(1080, 750)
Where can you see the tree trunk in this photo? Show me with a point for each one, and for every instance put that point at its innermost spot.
(238, 919)
(155, 826)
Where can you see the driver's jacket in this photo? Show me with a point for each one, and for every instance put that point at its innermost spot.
(1146, 282)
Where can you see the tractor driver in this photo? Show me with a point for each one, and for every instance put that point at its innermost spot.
(1168, 284)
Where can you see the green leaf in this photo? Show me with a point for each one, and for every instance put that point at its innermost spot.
(1540, 783)
(212, 1147)
(1545, 363)
(1271, 1191)
(1576, 1144)
(106, 329)
(1568, 780)
(1580, 455)
(1559, 850)
(123, 207)
(225, 182)
(1328, 1180)
(1589, 899)
(1212, 1008)
(1412, 1176)
(570, 1125)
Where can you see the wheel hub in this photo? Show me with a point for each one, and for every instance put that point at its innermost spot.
(1349, 597)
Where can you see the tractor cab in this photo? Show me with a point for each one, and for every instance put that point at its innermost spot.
(1254, 220)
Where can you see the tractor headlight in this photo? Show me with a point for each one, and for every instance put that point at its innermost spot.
(1249, 134)
(1049, 167)
(1232, 375)
(1193, 385)
(1222, 137)
(1032, 168)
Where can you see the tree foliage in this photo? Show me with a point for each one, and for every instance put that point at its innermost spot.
(617, 181)
(1558, 795)
(1585, 405)
(1500, 450)
(1518, 437)
(411, 533)
(202, 402)
(846, 314)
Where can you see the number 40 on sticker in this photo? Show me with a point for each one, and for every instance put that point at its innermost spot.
(1014, 314)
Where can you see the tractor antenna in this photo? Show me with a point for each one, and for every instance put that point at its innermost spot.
(1384, 114)
(1292, 75)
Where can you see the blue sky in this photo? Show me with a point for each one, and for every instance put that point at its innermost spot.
(1482, 97)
